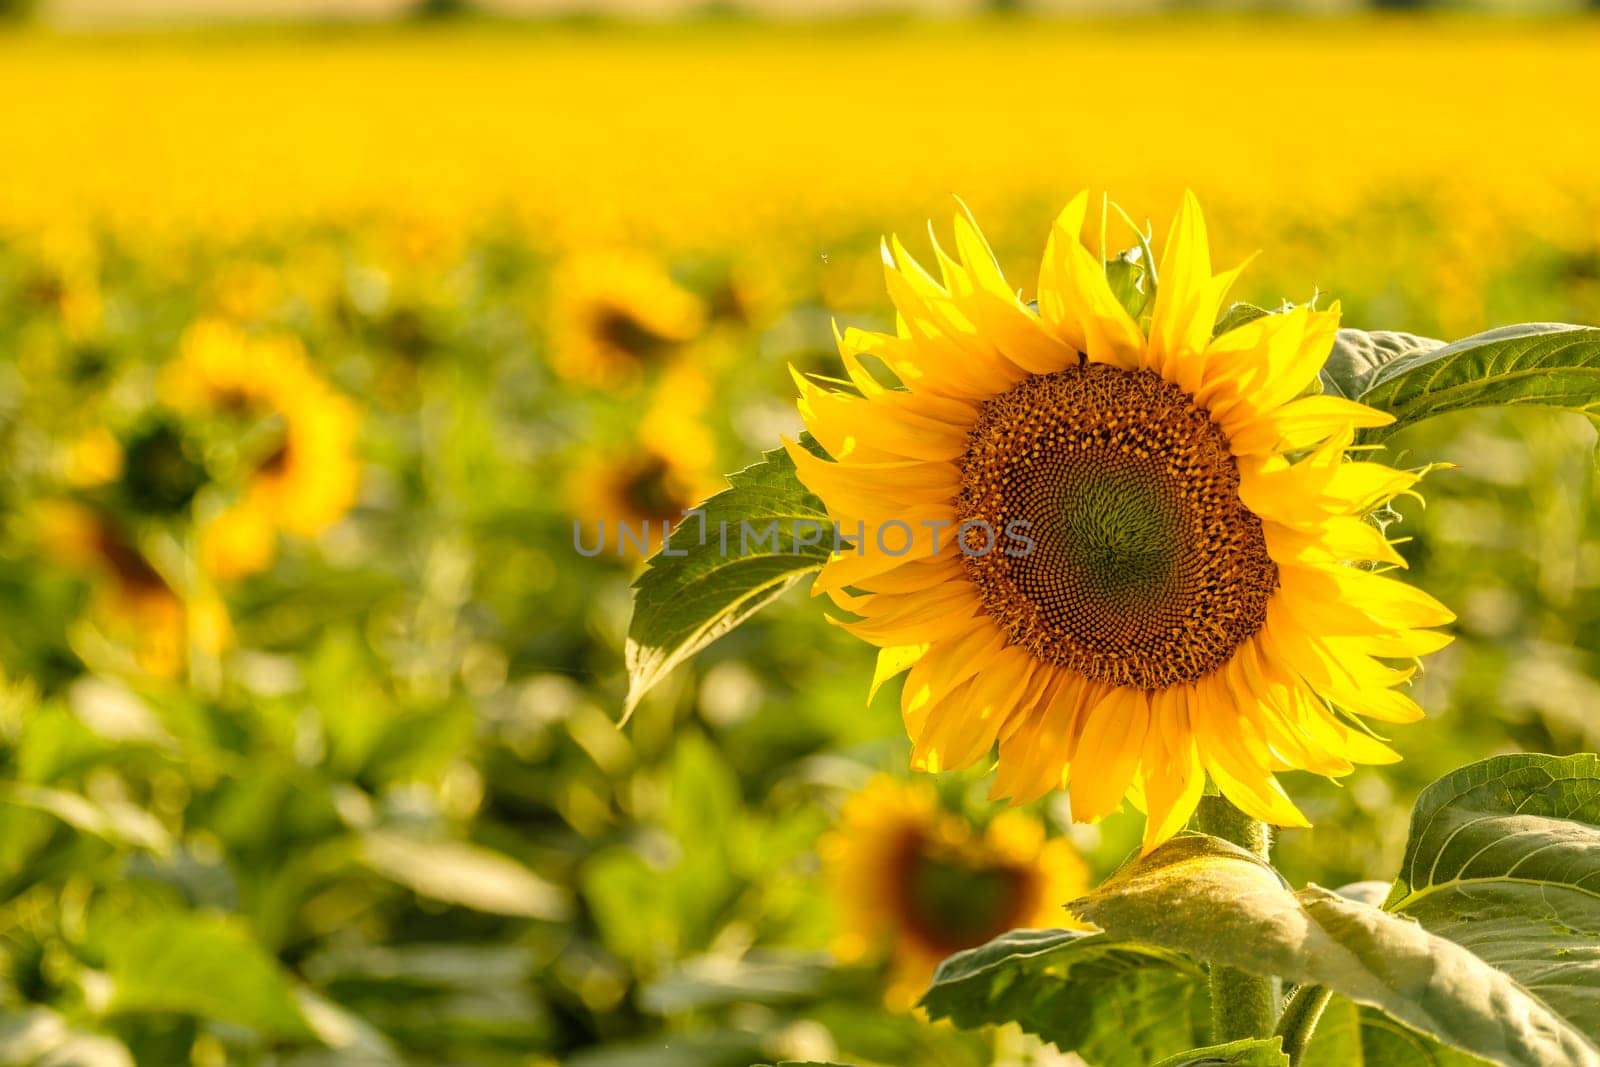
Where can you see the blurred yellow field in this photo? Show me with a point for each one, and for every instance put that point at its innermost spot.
(804, 142)
(719, 131)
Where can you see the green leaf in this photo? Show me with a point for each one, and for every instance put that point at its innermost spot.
(704, 795)
(1544, 363)
(1504, 859)
(1203, 896)
(118, 822)
(1112, 1003)
(1251, 1052)
(1127, 276)
(1236, 315)
(202, 965)
(458, 873)
(710, 982)
(1358, 355)
(1350, 1035)
(41, 1036)
(682, 603)
(716, 1048)
(632, 904)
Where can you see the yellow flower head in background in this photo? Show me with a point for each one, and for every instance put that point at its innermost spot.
(221, 367)
(613, 314)
(921, 883)
(309, 476)
(134, 604)
(1181, 599)
(63, 277)
(667, 468)
(310, 480)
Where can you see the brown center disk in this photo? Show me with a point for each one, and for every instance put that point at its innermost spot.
(950, 901)
(1145, 568)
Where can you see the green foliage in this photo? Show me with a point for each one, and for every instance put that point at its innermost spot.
(454, 872)
(744, 550)
(1130, 281)
(1350, 1035)
(204, 965)
(1224, 906)
(1235, 316)
(1205, 897)
(1057, 984)
(1358, 356)
(1503, 859)
(1484, 945)
(1250, 1052)
(1546, 364)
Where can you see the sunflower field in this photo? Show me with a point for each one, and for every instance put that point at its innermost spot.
(357, 708)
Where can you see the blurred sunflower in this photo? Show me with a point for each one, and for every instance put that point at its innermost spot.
(134, 604)
(920, 882)
(1135, 559)
(221, 367)
(300, 471)
(665, 470)
(615, 313)
(310, 480)
(63, 279)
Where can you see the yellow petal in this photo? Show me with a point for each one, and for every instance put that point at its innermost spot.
(892, 661)
(1034, 757)
(1221, 734)
(1337, 539)
(1108, 753)
(1075, 299)
(1171, 772)
(1188, 296)
(1300, 424)
(962, 728)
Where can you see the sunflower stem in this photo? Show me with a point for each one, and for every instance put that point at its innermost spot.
(1300, 1018)
(1243, 1005)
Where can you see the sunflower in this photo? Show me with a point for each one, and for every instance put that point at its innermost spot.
(666, 469)
(221, 367)
(1141, 555)
(62, 278)
(920, 882)
(614, 313)
(133, 604)
(305, 474)
(310, 480)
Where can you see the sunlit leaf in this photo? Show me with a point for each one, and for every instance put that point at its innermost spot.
(715, 1049)
(41, 1036)
(718, 981)
(118, 822)
(1128, 278)
(459, 873)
